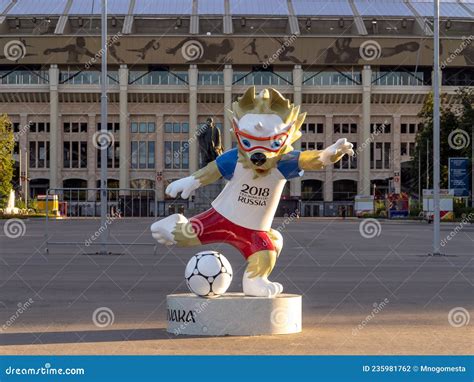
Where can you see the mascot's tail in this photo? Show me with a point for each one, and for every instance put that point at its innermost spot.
(175, 229)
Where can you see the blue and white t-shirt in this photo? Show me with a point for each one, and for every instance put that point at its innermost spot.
(250, 201)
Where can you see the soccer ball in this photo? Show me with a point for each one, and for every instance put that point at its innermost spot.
(208, 274)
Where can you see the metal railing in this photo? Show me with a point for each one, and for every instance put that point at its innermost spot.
(76, 203)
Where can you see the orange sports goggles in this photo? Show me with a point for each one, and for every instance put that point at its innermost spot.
(250, 142)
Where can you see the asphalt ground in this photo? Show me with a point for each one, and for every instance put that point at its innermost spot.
(361, 295)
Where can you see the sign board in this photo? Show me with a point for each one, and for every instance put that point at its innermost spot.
(459, 177)
(364, 204)
(446, 204)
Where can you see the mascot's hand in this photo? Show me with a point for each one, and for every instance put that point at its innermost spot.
(343, 147)
(337, 150)
(185, 186)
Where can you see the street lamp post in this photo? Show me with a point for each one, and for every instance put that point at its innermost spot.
(103, 132)
(436, 134)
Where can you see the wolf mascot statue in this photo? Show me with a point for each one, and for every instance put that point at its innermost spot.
(265, 127)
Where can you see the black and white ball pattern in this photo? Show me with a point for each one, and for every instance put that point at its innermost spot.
(208, 274)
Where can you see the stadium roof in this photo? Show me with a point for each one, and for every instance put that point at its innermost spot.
(347, 8)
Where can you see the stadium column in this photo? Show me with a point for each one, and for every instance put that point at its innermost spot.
(295, 184)
(159, 156)
(91, 157)
(23, 146)
(397, 180)
(193, 142)
(364, 134)
(55, 134)
(124, 135)
(228, 74)
(328, 141)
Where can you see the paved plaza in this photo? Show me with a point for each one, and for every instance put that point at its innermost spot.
(361, 294)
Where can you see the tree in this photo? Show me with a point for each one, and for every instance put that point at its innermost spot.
(456, 121)
(7, 142)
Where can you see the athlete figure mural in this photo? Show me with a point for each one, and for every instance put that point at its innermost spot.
(265, 125)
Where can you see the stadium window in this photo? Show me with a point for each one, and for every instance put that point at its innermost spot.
(83, 127)
(168, 154)
(412, 149)
(185, 127)
(420, 127)
(168, 127)
(176, 154)
(67, 127)
(353, 128)
(72, 154)
(74, 150)
(176, 127)
(134, 154)
(386, 154)
(110, 156)
(320, 128)
(16, 127)
(337, 128)
(185, 154)
(319, 145)
(412, 128)
(74, 127)
(41, 155)
(142, 155)
(32, 127)
(83, 156)
(142, 127)
(303, 146)
(311, 128)
(116, 154)
(403, 148)
(151, 127)
(151, 154)
(32, 154)
(372, 155)
(134, 127)
(345, 128)
(311, 145)
(116, 127)
(41, 127)
(303, 128)
(403, 128)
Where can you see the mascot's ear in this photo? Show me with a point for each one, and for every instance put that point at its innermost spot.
(279, 103)
(247, 100)
(244, 103)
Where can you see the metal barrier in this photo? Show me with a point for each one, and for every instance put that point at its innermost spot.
(79, 203)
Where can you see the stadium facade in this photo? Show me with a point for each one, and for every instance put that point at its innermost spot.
(361, 69)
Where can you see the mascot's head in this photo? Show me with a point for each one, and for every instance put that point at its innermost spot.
(265, 126)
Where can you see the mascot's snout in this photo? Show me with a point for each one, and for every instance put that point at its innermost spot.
(258, 159)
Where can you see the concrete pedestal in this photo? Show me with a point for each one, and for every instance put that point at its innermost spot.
(233, 314)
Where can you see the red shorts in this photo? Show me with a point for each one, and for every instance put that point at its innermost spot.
(212, 227)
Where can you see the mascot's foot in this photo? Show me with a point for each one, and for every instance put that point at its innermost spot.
(260, 286)
(163, 230)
